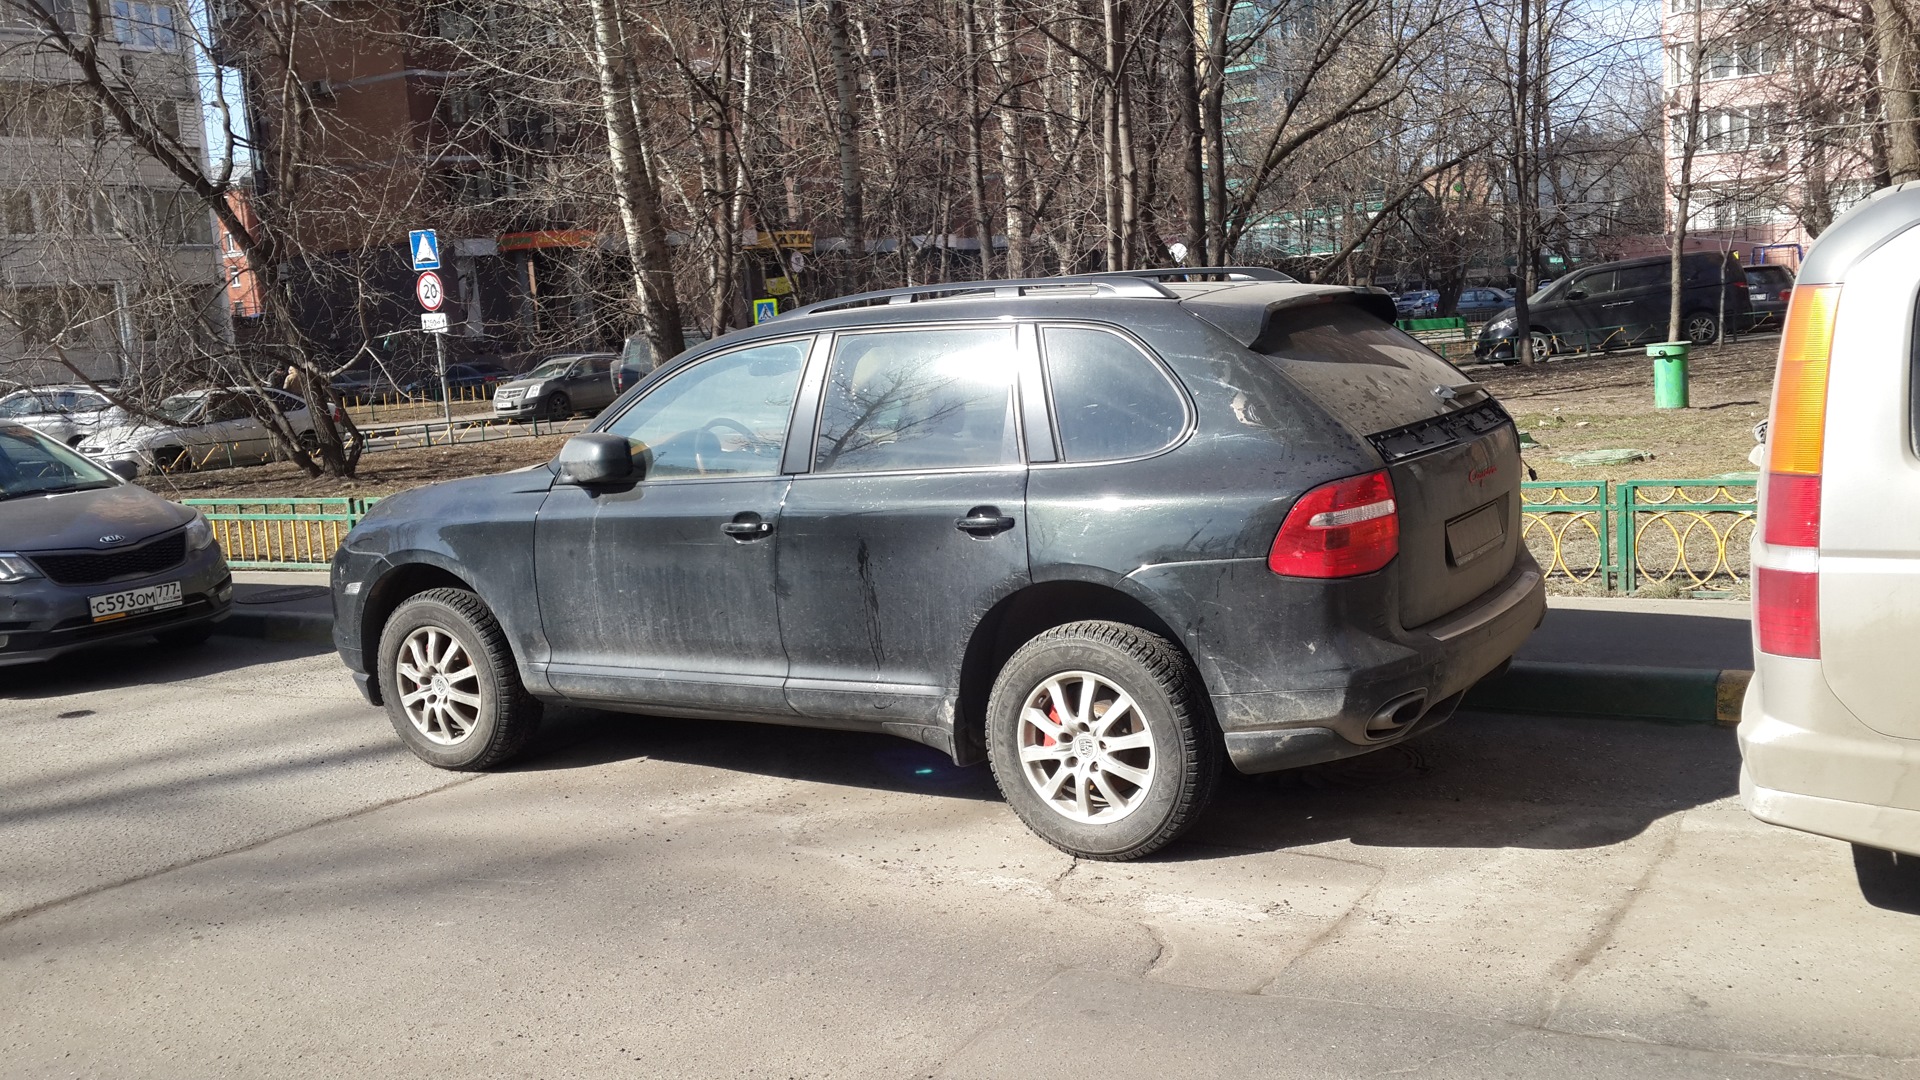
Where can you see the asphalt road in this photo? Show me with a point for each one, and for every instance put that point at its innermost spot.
(218, 863)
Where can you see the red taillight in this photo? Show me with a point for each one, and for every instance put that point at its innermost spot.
(1793, 510)
(1786, 612)
(1340, 529)
(1786, 603)
(1786, 294)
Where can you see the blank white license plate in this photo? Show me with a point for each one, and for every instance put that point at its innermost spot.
(135, 601)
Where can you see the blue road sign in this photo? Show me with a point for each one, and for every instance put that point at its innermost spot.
(426, 249)
(765, 309)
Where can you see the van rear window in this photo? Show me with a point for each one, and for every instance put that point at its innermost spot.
(1366, 373)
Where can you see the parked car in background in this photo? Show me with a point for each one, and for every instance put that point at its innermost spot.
(558, 387)
(1620, 304)
(1106, 532)
(89, 559)
(1482, 303)
(200, 429)
(1418, 304)
(64, 413)
(637, 360)
(1769, 288)
(473, 377)
(1829, 735)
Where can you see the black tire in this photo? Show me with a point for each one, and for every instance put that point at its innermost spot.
(308, 440)
(172, 459)
(506, 715)
(185, 637)
(1700, 327)
(557, 406)
(1888, 879)
(1185, 745)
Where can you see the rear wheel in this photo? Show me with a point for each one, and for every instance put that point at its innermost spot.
(309, 441)
(452, 690)
(1701, 328)
(1099, 741)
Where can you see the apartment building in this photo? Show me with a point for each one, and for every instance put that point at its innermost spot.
(101, 250)
(1786, 132)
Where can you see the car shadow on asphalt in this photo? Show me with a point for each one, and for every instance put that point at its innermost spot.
(1481, 780)
(145, 662)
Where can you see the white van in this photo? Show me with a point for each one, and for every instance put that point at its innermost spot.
(1830, 731)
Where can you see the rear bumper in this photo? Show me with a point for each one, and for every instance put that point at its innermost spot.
(1398, 684)
(1808, 763)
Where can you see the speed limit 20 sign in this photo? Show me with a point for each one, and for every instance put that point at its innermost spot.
(429, 291)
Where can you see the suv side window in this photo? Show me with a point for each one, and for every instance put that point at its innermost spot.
(918, 399)
(1110, 400)
(723, 416)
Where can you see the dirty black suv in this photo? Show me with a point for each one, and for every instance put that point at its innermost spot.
(1101, 531)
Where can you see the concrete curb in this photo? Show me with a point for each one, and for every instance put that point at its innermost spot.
(1594, 691)
(310, 626)
(1615, 692)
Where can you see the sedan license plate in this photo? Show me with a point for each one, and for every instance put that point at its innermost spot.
(1475, 534)
(135, 601)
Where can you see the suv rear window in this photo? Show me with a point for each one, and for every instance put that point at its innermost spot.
(907, 400)
(1366, 373)
(1110, 400)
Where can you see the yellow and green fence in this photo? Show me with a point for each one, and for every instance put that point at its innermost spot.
(1607, 535)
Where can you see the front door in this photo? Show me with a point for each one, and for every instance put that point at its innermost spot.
(660, 594)
(907, 524)
(590, 383)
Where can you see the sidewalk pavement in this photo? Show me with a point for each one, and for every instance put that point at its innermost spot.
(1671, 661)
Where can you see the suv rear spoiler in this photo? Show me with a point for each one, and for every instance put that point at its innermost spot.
(1245, 312)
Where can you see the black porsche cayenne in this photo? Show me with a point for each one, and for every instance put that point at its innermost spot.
(1105, 532)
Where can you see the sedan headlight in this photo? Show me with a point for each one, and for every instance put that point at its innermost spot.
(199, 533)
(16, 568)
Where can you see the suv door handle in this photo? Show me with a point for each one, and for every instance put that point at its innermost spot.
(984, 521)
(747, 527)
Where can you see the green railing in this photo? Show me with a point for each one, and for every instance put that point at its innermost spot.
(1620, 535)
(1616, 535)
(281, 534)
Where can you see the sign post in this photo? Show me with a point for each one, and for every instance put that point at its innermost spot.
(432, 292)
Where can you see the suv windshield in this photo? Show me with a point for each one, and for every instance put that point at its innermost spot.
(31, 464)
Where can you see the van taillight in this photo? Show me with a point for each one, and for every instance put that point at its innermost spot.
(1787, 603)
(1341, 529)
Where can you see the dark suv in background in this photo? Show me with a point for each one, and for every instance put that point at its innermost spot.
(1101, 531)
(1621, 304)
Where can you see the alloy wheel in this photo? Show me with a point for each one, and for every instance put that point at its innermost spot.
(1086, 748)
(439, 686)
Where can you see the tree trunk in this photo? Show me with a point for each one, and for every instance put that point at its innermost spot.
(1683, 187)
(1210, 22)
(976, 164)
(639, 198)
(846, 131)
(1013, 150)
(1193, 192)
(1894, 29)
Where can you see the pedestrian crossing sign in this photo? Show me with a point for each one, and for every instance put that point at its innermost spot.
(765, 309)
(426, 249)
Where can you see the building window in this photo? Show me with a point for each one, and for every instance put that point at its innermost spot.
(43, 110)
(46, 315)
(16, 214)
(1731, 58)
(143, 26)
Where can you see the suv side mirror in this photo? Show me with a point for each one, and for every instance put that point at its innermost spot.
(1577, 294)
(124, 469)
(596, 458)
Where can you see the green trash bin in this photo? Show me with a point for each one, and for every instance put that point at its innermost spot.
(1669, 374)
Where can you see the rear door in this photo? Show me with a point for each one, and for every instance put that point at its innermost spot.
(1450, 449)
(1638, 303)
(906, 523)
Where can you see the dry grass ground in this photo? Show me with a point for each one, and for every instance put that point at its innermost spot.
(381, 473)
(1606, 402)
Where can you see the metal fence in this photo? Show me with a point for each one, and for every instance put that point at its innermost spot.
(1621, 535)
(1611, 535)
(281, 534)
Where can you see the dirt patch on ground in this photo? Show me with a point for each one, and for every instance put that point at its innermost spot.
(1576, 404)
(381, 473)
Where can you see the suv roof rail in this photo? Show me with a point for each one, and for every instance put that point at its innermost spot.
(1100, 284)
(1204, 273)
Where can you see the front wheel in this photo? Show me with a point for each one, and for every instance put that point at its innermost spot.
(557, 406)
(1100, 742)
(452, 690)
(1701, 328)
